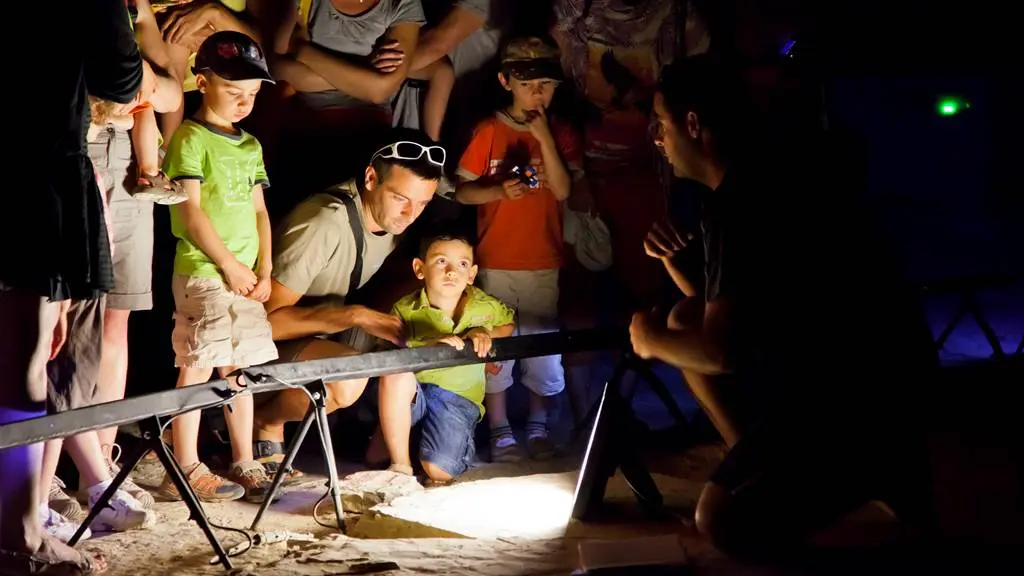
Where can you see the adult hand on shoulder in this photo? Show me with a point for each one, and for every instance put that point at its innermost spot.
(383, 326)
(193, 23)
(240, 279)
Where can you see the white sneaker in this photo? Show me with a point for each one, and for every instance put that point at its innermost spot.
(129, 486)
(123, 512)
(58, 526)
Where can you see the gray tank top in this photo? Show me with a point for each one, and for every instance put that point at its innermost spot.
(353, 37)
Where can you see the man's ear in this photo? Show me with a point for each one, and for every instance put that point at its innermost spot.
(472, 273)
(417, 267)
(370, 178)
(504, 81)
(692, 125)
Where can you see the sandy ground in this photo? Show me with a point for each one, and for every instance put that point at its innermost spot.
(499, 519)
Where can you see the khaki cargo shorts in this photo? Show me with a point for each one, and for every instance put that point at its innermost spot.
(214, 328)
(130, 222)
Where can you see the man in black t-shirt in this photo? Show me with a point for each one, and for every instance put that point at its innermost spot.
(808, 346)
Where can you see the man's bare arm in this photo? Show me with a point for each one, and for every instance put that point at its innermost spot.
(440, 40)
(363, 82)
(289, 321)
(700, 348)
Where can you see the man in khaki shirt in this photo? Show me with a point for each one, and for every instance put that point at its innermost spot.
(317, 258)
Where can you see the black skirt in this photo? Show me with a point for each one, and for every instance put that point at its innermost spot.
(55, 240)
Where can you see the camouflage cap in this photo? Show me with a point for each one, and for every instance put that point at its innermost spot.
(530, 58)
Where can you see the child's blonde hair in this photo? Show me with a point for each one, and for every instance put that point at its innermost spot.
(101, 110)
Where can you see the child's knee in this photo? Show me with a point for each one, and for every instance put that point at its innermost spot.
(398, 386)
(434, 472)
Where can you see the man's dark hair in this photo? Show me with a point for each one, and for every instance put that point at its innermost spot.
(710, 87)
(430, 238)
(422, 167)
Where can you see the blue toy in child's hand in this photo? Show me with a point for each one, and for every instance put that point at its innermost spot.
(527, 175)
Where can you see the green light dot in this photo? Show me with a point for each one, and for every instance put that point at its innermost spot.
(950, 106)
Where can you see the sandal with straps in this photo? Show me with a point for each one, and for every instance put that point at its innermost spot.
(49, 561)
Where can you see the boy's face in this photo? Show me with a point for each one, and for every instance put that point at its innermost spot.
(448, 268)
(231, 100)
(533, 94)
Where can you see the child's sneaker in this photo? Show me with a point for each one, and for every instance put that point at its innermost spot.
(538, 446)
(208, 486)
(251, 476)
(144, 498)
(159, 189)
(121, 513)
(60, 527)
(503, 446)
(65, 505)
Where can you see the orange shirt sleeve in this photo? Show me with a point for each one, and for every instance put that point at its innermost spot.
(477, 158)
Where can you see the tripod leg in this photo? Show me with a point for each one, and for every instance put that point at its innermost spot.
(332, 465)
(640, 481)
(115, 485)
(282, 470)
(187, 494)
(612, 386)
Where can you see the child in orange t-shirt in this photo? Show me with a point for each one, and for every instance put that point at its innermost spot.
(520, 227)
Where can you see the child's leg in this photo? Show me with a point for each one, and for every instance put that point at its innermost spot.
(397, 392)
(543, 376)
(238, 416)
(446, 450)
(185, 428)
(202, 317)
(498, 283)
(441, 78)
(251, 345)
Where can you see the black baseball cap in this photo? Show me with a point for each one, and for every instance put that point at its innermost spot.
(233, 56)
(531, 58)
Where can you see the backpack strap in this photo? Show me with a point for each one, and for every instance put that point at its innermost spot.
(357, 234)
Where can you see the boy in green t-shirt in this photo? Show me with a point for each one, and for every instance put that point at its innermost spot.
(222, 263)
(447, 402)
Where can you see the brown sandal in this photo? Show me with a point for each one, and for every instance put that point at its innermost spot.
(51, 561)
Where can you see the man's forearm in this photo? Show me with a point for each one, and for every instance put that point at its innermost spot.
(292, 322)
(686, 349)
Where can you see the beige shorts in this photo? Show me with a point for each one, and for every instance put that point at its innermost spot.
(214, 327)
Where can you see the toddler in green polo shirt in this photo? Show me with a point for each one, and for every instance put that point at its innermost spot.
(446, 402)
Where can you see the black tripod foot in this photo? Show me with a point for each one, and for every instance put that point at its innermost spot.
(151, 431)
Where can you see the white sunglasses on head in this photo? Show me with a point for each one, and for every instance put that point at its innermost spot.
(407, 150)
